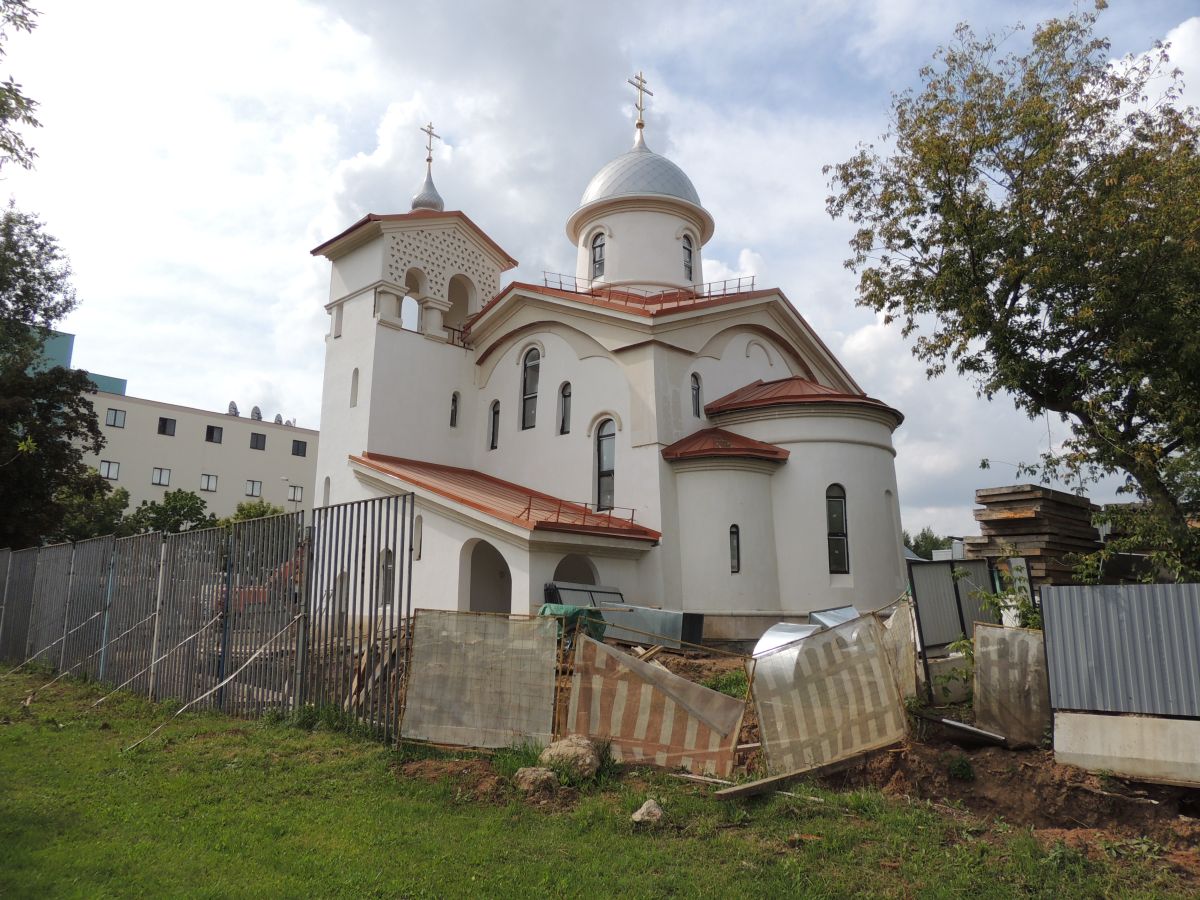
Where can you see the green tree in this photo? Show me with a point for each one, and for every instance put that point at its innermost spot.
(90, 508)
(925, 542)
(16, 110)
(1037, 221)
(178, 511)
(252, 509)
(47, 422)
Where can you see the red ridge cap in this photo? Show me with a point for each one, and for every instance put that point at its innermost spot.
(790, 392)
(717, 442)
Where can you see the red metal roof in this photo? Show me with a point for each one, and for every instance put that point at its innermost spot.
(790, 392)
(626, 301)
(717, 442)
(371, 218)
(511, 502)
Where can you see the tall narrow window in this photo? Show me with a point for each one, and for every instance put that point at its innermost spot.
(418, 537)
(564, 408)
(454, 410)
(735, 549)
(697, 400)
(494, 426)
(598, 255)
(606, 441)
(354, 388)
(687, 257)
(529, 387)
(835, 516)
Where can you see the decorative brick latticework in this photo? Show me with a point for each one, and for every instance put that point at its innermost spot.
(441, 253)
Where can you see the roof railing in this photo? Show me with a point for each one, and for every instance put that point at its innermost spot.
(574, 512)
(639, 297)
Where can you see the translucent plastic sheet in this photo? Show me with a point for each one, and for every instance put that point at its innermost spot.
(649, 714)
(900, 639)
(1012, 689)
(827, 697)
(480, 680)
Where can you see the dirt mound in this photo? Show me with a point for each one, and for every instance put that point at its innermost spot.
(1031, 789)
(475, 777)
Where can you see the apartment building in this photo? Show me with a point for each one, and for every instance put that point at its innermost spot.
(152, 447)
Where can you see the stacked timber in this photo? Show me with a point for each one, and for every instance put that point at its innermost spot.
(1049, 528)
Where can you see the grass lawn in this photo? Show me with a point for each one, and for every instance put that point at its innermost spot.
(216, 807)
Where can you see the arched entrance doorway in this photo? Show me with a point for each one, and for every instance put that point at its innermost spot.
(577, 569)
(488, 583)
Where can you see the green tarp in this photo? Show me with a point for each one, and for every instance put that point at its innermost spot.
(575, 617)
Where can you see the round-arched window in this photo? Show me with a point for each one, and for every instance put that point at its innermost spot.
(598, 255)
(687, 257)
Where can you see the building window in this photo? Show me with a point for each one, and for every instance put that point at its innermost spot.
(166, 426)
(208, 482)
(697, 399)
(354, 389)
(494, 426)
(295, 493)
(529, 387)
(598, 255)
(299, 448)
(735, 549)
(110, 470)
(161, 477)
(418, 537)
(325, 492)
(606, 447)
(337, 321)
(687, 257)
(835, 516)
(253, 488)
(115, 418)
(564, 408)
(454, 410)
(258, 441)
(214, 433)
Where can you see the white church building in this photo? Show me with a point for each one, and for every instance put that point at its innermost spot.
(695, 445)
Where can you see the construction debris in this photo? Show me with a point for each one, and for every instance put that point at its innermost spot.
(1046, 527)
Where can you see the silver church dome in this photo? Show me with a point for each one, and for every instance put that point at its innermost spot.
(639, 172)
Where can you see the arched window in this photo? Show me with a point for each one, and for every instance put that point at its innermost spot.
(564, 408)
(835, 519)
(735, 549)
(697, 404)
(494, 426)
(606, 451)
(354, 388)
(325, 492)
(687, 257)
(529, 387)
(598, 255)
(454, 410)
(418, 537)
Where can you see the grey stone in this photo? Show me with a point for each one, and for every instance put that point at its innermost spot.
(575, 754)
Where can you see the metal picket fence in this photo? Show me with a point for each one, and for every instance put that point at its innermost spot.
(360, 600)
(262, 616)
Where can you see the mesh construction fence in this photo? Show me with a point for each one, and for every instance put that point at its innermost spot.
(1012, 686)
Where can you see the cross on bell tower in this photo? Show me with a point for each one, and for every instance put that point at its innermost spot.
(639, 82)
(428, 197)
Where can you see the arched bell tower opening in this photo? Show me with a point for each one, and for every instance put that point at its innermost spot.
(463, 299)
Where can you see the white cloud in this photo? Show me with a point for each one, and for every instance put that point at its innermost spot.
(191, 156)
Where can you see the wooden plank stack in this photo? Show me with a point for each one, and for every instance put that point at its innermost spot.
(1045, 526)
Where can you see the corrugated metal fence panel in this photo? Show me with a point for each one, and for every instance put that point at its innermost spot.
(84, 639)
(1124, 648)
(51, 591)
(131, 611)
(933, 585)
(188, 633)
(18, 605)
(5, 560)
(268, 568)
(358, 594)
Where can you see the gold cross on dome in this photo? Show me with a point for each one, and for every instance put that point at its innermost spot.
(639, 82)
(428, 130)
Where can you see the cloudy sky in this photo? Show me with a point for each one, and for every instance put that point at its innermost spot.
(192, 154)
